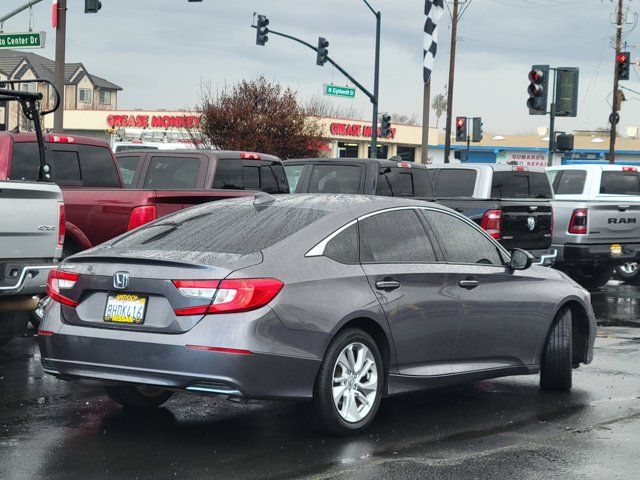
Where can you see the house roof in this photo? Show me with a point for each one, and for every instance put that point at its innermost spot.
(44, 68)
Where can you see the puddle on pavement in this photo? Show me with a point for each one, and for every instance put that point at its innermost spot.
(617, 306)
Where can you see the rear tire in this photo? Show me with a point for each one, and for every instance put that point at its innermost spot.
(557, 357)
(130, 396)
(353, 371)
(628, 273)
(591, 276)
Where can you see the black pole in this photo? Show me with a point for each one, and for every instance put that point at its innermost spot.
(552, 120)
(61, 33)
(376, 82)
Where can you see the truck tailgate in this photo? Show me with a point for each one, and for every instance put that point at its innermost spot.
(526, 224)
(30, 213)
(614, 221)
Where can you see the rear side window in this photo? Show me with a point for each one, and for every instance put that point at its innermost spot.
(294, 172)
(221, 227)
(128, 166)
(395, 182)
(172, 173)
(97, 167)
(620, 183)
(343, 247)
(240, 174)
(24, 162)
(455, 182)
(335, 179)
(394, 237)
(569, 182)
(514, 184)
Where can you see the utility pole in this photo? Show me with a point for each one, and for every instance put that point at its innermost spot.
(452, 67)
(61, 33)
(614, 118)
(426, 113)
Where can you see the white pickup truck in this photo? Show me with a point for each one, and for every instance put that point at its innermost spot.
(596, 220)
(31, 237)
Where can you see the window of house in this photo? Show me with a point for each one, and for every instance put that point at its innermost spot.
(85, 95)
(105, 97)
(29, 87)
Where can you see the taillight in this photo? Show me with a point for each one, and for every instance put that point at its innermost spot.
(141, 215)
(404, 165)
(578, 222)
(249, 156)
(62, 224)
(61, 138)
(629, 169)
(230, 296)
(520, 169)
(58, 282)
(492, 223)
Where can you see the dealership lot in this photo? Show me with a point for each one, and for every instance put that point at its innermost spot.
(504, 427)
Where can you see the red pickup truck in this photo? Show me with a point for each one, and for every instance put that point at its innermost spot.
(99, 207)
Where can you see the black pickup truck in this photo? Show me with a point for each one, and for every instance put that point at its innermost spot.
(512, 203)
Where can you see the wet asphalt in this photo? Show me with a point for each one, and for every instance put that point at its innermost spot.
(498, 429)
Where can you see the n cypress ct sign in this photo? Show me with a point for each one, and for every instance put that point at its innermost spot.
(22, 40)
(337, 91)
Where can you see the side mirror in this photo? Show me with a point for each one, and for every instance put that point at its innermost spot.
(520, 259)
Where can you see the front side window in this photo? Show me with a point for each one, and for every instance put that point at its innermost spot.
(294, 172)
(172, 173)
(335, 179)
(128, 166)
(461, 242)
(394, 237)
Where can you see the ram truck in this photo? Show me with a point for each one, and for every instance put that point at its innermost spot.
(31, 237)
(99, 207)
(596, 221)
(513, 204)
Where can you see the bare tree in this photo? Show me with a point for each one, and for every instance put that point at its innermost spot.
(402, 119)
(318, 105)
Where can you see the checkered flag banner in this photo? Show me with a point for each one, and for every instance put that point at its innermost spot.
(433, 10)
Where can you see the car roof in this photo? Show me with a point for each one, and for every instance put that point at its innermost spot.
(77, 139)
(496, 167)
(181, 152)
(380, 161)
(591, 167)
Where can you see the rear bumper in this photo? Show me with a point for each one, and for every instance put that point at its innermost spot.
(589, 253)
(25, 279)
(164, 360)
(546, 257)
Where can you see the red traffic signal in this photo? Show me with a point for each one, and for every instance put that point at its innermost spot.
(461, 129)
(537, 76)
(538, 89)
(622, 57)
(623, 65)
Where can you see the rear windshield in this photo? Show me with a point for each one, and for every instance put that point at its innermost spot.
(513, 184)
(403, 182)
(333, 178)
(455, 182)
(240, 174)
(82, 165)
(620, 183)
(166, 172)
(567, 182)
(222, 228)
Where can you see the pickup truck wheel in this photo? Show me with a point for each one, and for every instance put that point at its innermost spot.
(557, 356)
(131, 396)
(629, 273)
(590, 276)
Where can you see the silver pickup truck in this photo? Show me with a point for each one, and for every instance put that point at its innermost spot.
(596, 220)
(31, 238)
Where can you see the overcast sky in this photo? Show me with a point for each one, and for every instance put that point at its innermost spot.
(160, 50)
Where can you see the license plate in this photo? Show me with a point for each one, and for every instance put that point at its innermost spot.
(125, 308)
(616, 249)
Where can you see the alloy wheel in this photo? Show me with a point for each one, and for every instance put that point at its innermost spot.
(355, 382)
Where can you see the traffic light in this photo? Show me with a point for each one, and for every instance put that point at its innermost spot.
(385, 130)
(92, 6)
(262, 30)
(623, 65)
(477, 130)
(538, 89)
(323, 51)
(461, 129)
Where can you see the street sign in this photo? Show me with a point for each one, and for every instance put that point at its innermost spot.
(337, 91)
(22, 40)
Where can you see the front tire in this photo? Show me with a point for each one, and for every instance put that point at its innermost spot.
(349, 385)
(557, 357)
(590, 276)
(130, 396)
(629, 273)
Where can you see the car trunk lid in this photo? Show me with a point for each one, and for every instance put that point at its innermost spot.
(526, 225)
(614, 221)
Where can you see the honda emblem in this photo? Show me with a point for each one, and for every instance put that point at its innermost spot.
(120, 280)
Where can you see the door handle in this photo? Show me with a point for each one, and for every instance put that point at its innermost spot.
(469, 284)
(387, 285)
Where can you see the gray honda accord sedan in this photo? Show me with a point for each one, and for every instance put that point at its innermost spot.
(339, 299)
